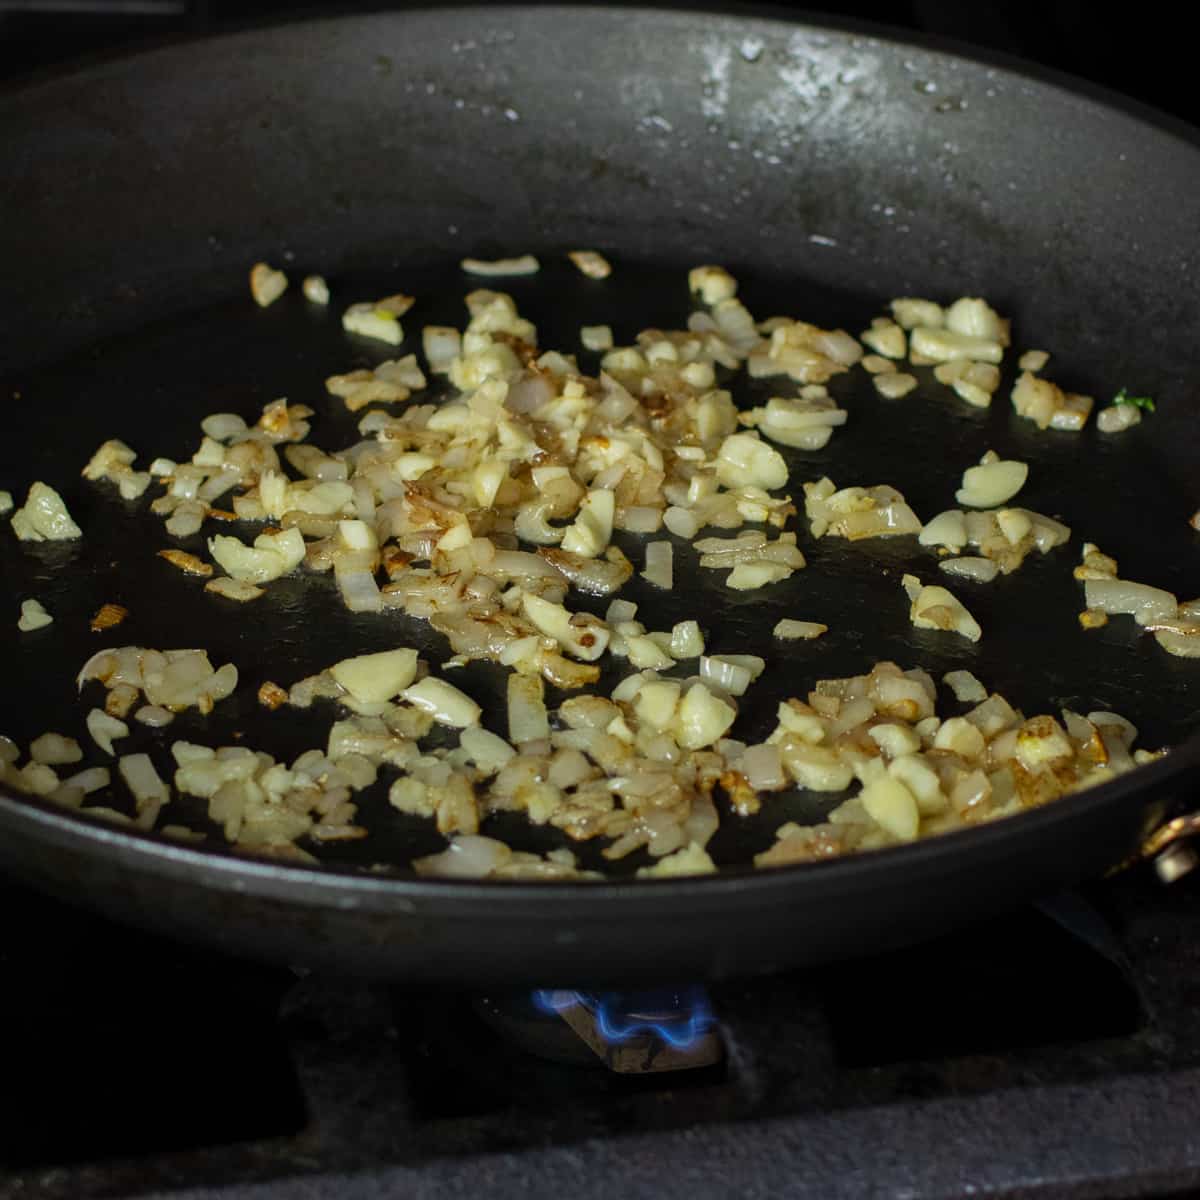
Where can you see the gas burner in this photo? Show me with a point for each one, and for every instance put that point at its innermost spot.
(975, 1049)
(630, 1033)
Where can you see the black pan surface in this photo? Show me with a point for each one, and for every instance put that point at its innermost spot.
(830, 170)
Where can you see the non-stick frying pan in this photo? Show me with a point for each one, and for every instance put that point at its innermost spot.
(831, 169)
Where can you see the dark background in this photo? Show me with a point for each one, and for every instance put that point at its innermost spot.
(1133, 51)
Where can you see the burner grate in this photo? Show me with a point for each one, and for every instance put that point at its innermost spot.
(349, 1082)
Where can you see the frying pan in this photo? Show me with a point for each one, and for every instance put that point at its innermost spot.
(830, 168)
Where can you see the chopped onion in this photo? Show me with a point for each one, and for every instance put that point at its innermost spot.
(935, 608)
(1181, 645)
(154, 715)
(53, 749)
(750, 575)
(620, 611)
(746, 461)
(372, 678)
(947, 529)
(266, 284)
(910, 312)
(641, 519)
(271, 556)
(315, 289)
(730, 677)
(712, 284)
(1116, 418)
(444, 702)
(44, 517)
(976, 318)
(660, 565)
(930, 345)
(359, 591)
(763, 768)
(681, 522)
(233, 589)
(702, 718)
(596, 337)
(527, 717)
(992, 483)
(468, 856)
(686, 640)
(981, 570)
(788, 629)
(966, 688)
(442, 345)
(1144, 603)
(526, 264)
(591, 263)
(487, 751)
(886, 338)
(105, 729)
(594, 576)
(580, 635)
(89, 780)
(894, 385)
(33, 616)
(149, 791)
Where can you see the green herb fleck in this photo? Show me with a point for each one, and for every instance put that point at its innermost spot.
(1123, 397)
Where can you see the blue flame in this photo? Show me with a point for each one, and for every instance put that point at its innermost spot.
(678, 1016)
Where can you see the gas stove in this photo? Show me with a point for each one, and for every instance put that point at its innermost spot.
(1050, 1052)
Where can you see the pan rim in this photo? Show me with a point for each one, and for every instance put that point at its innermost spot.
(318, 884)
(301, 881)
(759, 11)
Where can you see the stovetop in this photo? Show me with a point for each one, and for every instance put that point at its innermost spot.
(1051, 1052)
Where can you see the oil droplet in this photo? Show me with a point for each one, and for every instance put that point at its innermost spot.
(511, 114)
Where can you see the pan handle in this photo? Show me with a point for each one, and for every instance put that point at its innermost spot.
(1171, 849)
